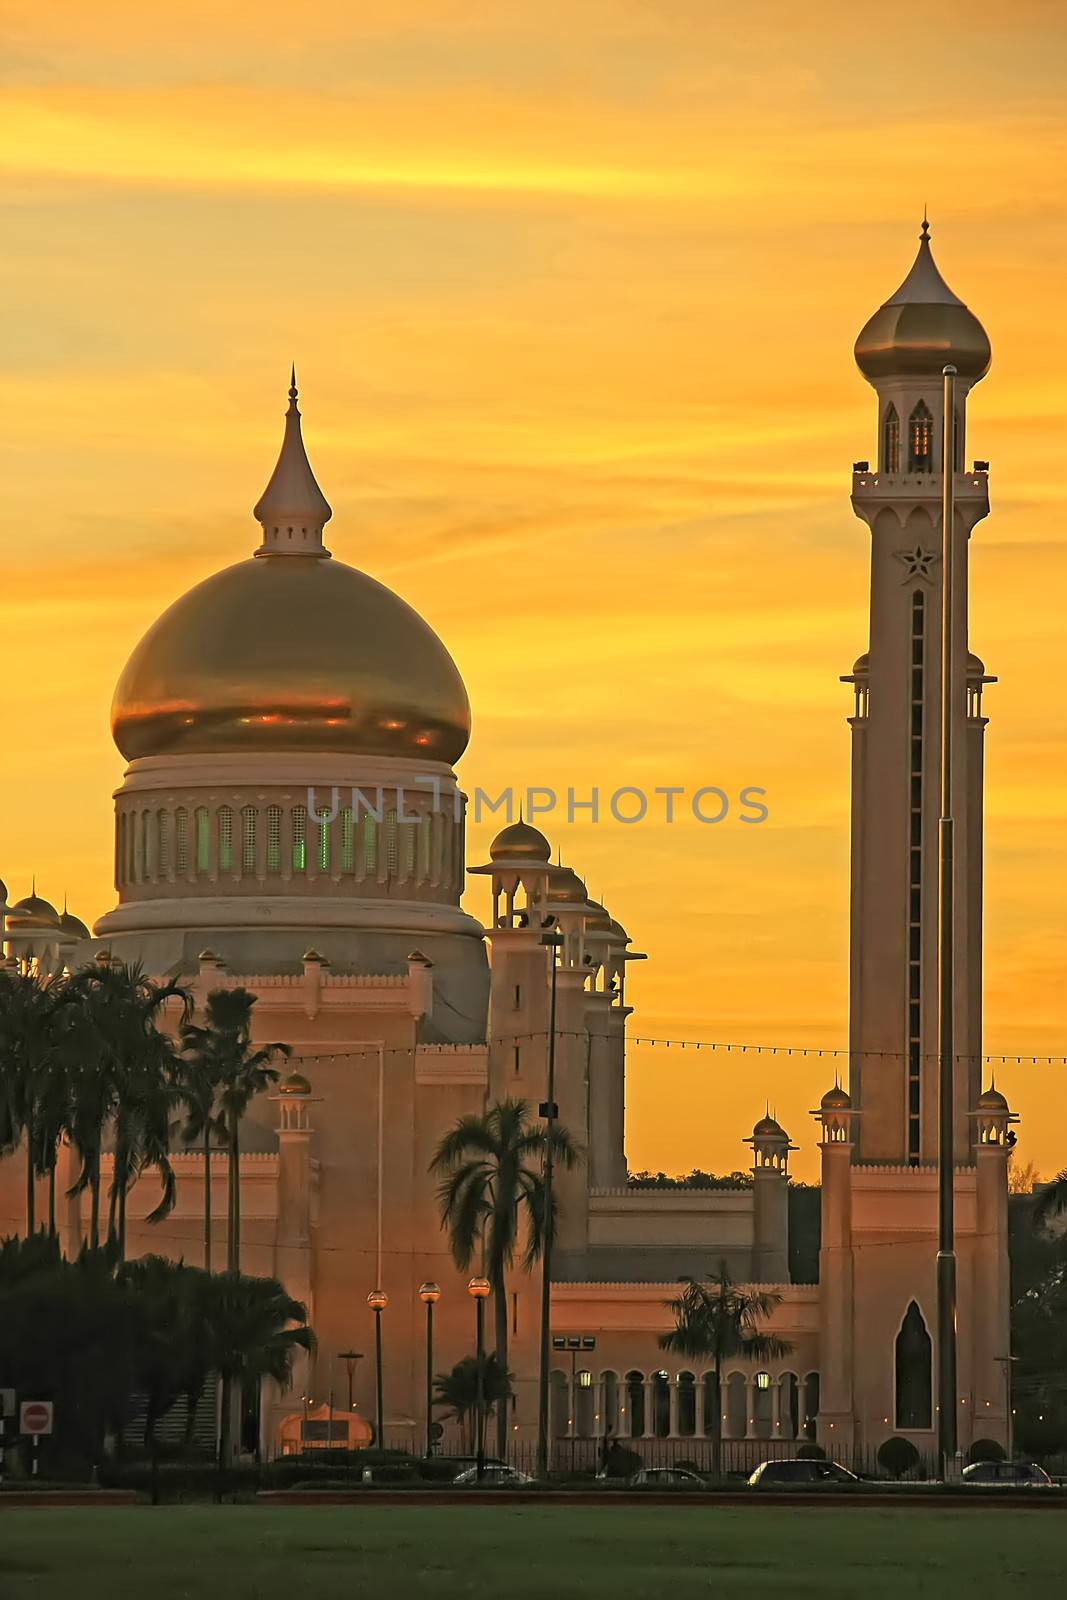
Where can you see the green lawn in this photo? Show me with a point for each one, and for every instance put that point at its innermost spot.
(515, 1552)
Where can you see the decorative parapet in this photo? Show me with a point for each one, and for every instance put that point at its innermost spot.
(443, 1064)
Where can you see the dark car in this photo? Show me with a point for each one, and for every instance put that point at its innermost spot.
(1006, 1475)
(799, 1472)
(667, 1478)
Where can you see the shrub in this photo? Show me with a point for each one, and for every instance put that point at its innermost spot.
(620, 1462)
(811, 1452)
(897, 1456)
(985, 1450)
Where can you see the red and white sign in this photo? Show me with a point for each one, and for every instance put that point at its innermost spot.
(35, 1416)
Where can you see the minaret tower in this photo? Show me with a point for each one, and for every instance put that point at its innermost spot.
(901, 352)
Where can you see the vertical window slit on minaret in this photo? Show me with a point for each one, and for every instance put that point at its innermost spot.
(920, 439)
(181, 841)
(915, 870)
(891, 441)
(274, 838)
(300, 826)
(348, 853)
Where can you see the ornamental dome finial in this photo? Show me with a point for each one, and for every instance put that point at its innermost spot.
(923, 327)
(292, 508)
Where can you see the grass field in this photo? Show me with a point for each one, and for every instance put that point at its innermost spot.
(516, 1552)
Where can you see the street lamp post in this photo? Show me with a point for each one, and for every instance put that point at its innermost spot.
(549, 1111)
(378, 1300)
(350, 1357)
(478, 1288)
(429, 1294)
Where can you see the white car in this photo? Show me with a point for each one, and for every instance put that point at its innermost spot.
(492, 1476)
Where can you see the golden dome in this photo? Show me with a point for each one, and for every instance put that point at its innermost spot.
(768, 1128)
(836, 1099)
(295, 1083)
(31, 914)
(598, 920)
(923, 328)
(991, 1099)
(520, 841)
(565, 887)
(73, 926)
(291, 651)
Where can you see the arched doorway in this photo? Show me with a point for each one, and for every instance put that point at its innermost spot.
(914, 1373)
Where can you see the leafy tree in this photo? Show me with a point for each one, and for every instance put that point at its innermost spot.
(898, 1456)
(1050, 1200)
(697, 1179)
(492, 1190)
(717, 1320)
(222, 1054)
(456, 1392)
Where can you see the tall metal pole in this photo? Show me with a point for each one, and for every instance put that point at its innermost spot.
(479, 1315)
(429, 1378)
(548, 1111)
(946, 1242)
(379, 1403)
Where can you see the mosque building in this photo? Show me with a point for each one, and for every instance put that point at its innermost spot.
(290, 821)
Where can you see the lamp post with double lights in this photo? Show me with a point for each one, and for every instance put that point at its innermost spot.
(549, 1111)
(378, 1300)
(478, 1289)
(429, 1294)
(350, 1357)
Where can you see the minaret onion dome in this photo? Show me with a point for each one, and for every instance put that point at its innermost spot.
(922, 328)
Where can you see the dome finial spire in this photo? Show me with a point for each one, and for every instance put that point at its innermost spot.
(292, 509)
(925, 234)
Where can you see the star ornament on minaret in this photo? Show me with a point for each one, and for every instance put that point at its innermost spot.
(917, 562)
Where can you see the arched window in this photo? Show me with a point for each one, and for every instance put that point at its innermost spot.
(810, 1401)
(148, 850)
(392, 853)
(274, 838)
(661, 1405)
(324, 838)
(225, 839)
(425, 845)
(610, 1404)
(370, 846)
(891, 441)
(921, 440)
(711, 1402)
(635, 1404)
(687, 1404)
(120, 848)
(583, 1403)
(300, 843)
(789, 1406)
(162, 843)
(559, 1406)
(203, 839)
(348, 852)
(181, 842)
(736, 1407)
(914, 1372)
(249, 820)
(408, 830)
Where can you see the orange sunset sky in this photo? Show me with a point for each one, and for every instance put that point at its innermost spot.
(572, 287)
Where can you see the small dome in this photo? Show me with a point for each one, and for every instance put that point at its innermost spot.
(565, 887)
(73, 926)
(520, 842)
(923, 328)
(3, 893)
(862, 665)
(992, 1100)
(295, 1083)
(768, 1128)
(975, 665)
(836, 1099)
(32, 915)
(619, 932)
(598, 919)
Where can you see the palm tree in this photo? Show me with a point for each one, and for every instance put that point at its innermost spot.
(1050, 1201)
(224, 1046)
(200, 1082)
(716, 1320)
(455, 1393)
(249, 1335)
(129, 1079)
(493, 1187)
(33, 1076)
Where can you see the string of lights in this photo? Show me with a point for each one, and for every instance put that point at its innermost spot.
(726, 1047)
